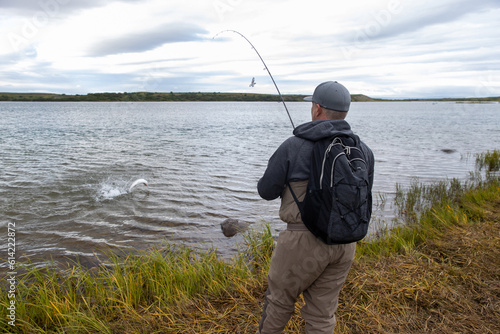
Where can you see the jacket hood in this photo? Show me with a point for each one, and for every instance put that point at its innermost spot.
(317, 130)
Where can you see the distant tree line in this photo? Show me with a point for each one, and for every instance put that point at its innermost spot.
(147, 96)
(193, 97)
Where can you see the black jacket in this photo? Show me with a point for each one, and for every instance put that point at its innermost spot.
(290, 162)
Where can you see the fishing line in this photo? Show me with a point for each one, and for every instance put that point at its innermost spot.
(265, 67)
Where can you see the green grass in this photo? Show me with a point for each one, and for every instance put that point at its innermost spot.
(425, 210)
(125, 287)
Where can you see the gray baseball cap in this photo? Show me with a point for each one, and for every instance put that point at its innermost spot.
(331, 95)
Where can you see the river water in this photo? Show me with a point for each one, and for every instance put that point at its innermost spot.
(66, 167)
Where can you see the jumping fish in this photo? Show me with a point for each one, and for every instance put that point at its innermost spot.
(136, 182)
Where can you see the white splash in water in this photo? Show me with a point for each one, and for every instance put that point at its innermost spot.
(110, 191)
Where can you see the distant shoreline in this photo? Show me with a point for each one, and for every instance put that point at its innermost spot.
(202, 97)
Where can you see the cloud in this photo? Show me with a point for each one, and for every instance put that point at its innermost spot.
(27, 7)
(404, 20)
(149, 40)
(415, 19)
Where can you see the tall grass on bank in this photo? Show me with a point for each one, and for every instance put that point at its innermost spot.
(424, 210)
(433, 272)
(489, 162)
(125, 293)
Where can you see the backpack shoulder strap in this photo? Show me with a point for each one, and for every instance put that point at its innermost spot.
(287, 182)
(299, 204)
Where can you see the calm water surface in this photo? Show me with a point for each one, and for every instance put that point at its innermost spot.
(66, 167)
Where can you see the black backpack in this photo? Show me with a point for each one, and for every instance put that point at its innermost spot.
(337, 204)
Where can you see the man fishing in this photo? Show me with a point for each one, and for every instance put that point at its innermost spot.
(301, 262)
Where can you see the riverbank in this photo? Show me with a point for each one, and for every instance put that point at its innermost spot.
(437, 271)
(449, 283)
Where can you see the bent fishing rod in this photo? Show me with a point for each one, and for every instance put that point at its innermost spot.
(265, 67)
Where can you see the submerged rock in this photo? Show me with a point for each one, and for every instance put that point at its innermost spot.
(230, 227)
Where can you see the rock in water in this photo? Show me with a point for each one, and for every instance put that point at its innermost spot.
(230, 227)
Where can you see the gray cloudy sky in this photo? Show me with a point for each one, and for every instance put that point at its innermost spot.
(381, 48)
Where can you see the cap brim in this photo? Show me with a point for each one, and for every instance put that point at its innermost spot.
(308, 98)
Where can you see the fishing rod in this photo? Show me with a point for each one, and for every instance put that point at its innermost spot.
(265, 67)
